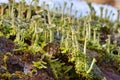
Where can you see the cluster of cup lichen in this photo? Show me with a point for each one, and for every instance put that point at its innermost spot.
(76, 35)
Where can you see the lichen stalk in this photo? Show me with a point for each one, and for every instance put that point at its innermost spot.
(71, 9)
(10, 7)
(118, 16)
(29, 12)
(48, 14)
(91, 66)
(101, 12)
(65, 3)
(12, 13)
(106, 13)
(94, 35)
(108, 43)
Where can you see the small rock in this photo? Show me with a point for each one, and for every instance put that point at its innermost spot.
(6, 45)
(14, 64)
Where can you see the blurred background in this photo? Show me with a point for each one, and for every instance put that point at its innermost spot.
(115, 3)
